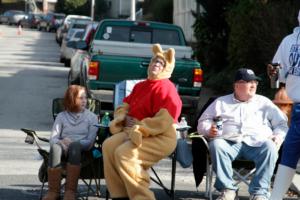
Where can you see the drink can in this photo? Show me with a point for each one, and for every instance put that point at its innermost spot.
(218, 121)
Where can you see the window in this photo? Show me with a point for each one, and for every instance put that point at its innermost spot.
(140, 36)
(169, 37)
(116, 33)
(137, 34)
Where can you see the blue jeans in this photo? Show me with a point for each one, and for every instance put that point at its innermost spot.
(223, 152)
(291, 149)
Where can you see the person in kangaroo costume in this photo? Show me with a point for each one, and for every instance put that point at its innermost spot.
(143, 130)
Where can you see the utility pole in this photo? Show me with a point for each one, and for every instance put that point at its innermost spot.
(92, 9)
(132, 10)
(45, 6)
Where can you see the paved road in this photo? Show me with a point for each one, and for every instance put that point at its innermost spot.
(30, 77)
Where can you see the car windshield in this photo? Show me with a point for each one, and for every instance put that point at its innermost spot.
(81, 26)
(78, 34)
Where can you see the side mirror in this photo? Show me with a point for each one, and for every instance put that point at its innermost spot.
(81, 44)
(71, 44)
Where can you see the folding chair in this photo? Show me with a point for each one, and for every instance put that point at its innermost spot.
(123, 89)
(91, 168)
(242, 169)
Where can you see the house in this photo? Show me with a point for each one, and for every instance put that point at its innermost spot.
(120, 8)
(182, 16)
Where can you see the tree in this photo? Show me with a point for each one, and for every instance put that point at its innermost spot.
(161, 11)
(212, 32)
(241, 33)
(73, 6)
(81, 7)
(256, 29)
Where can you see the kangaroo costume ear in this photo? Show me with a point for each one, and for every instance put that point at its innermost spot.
(156, 49)
(169, 58)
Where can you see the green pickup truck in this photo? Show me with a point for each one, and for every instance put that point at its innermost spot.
(121, 50)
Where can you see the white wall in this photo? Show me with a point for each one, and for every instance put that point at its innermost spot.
(119, 7)
(183, 17)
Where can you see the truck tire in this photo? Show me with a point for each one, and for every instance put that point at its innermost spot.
(67, 62)
(76, 81)
(62, 60)
(69, 78)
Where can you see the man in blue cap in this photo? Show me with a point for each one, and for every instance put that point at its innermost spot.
(253, 128)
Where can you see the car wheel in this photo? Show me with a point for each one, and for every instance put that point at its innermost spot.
(62, 60)
(69, 78)
(81, 79)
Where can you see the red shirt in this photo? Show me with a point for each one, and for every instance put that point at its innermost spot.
(149, 96)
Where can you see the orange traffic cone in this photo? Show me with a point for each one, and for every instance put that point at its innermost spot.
(19, 31)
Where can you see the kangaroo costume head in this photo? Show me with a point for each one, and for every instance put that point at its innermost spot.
(168, 57)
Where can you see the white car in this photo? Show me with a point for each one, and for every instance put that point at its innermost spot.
(81, 55)
(66, 25)
(66, 52)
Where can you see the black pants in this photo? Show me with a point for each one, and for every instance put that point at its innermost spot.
(73, 156)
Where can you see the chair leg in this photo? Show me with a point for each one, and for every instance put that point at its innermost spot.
(210, 183)
(172, 191)
(42, 188)
(107, 194)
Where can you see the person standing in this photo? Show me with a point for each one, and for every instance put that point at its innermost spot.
(288, 55)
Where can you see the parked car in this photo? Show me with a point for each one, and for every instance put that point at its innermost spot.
(76, 25)
(31, 20)
(12, 16)
(64, 27)
(51, 22)
(4, 17)
(66, 52)
(81, 54)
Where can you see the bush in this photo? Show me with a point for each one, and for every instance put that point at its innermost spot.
(161, 10)
(82, 7)
(256, 30)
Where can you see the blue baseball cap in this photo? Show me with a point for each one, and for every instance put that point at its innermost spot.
(246, 75)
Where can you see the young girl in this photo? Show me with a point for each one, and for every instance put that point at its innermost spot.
(73, 132)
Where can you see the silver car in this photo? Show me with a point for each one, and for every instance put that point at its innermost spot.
(81, 55)
(67, 52)
(64, 27)
(12, 16)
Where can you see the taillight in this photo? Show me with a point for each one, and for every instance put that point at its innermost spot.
(93, 73)
(198, 77)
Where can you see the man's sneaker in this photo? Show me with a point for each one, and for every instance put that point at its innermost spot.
(227, 195)
(258, 197)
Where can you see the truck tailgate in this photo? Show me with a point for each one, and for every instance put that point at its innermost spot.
(117, 48)
(113, 69)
